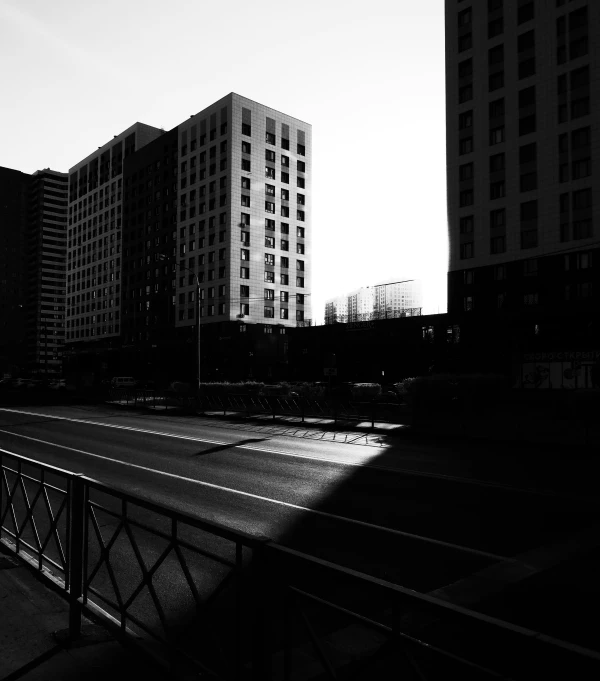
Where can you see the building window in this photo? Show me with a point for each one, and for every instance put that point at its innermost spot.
(301, 149)
(269, 190)
(497, 245)
(285, 178)
(299, 315)
(582, 199)
(466, 198)
(283, 313)
(246, 148)
(300, 249)
(246, 165)
(270, 277)
(284, 279)
(468, 303)
(530, 299)
(285, 245)
(270, 224)
(269, 258)
(466, 250)
(497, 135)
(466, 224)
(270, 242)
(530, 267)
(269, 294)
(245, 201)
(465, 94)
(270, 156)
(269, 207)
(244, 273)
(284, 296)
(300, 282)
(244, 291)
(245, 238)
(497, 190)
(270, 173)
(465, 145)
(496, 81)
(300, 232)
(465, 172)
(498, 218)
(246, 129)
(497, 163)
(300, 215)
(244, 310)
(285, 262)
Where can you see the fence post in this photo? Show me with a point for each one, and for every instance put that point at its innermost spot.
(76, 552)
(261, 667)
(302, 408)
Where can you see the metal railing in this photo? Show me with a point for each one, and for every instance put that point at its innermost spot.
(370, 411)
(231, 605)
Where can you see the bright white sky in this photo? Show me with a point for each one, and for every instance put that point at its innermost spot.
(369, 77)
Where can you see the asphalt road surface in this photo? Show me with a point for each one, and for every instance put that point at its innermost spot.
(418, 513)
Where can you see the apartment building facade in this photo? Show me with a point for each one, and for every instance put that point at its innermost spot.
(523, 152)
(46, 271)
(210, 220)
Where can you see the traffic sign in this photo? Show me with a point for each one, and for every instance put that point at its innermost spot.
(330, 372)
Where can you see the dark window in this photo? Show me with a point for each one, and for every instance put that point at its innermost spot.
(465, 145)
(465, 172)
(527, 125)
(527, 153)
(582, 199)
(465, 42)
(465, 17)
(270, 138)
(466, 198)
(526, 41)
(528, 182)
(496, 81)
(466, 224)
(580, 138)
(496, 55)
(498, 218)
(527, 97)
(497, 244)
(525, 13)
(497, 190)
(246, 129)
(465, 120)
(466, 250)
(497, 162)
(465, 94)
(529, 211)
(495, 27)
(465, 68)
(496, 108)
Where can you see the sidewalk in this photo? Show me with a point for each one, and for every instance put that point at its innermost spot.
(31, 613)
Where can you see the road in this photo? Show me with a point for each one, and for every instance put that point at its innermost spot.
(420, 514)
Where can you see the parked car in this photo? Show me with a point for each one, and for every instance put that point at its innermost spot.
(59, 384)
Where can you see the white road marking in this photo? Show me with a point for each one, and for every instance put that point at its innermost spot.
(259, 497)
(253, 448)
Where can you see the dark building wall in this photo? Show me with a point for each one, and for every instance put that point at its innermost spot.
(149, 241)
(14, 187)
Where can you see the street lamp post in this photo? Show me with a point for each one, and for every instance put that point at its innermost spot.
(197, 363)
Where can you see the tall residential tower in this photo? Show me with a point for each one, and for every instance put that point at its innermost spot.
(523, 159)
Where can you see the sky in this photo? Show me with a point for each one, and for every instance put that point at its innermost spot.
(368, 77)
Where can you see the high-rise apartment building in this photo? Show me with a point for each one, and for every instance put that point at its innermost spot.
(46, 270)
(33, 220)
(523, 157)
(210, 219)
